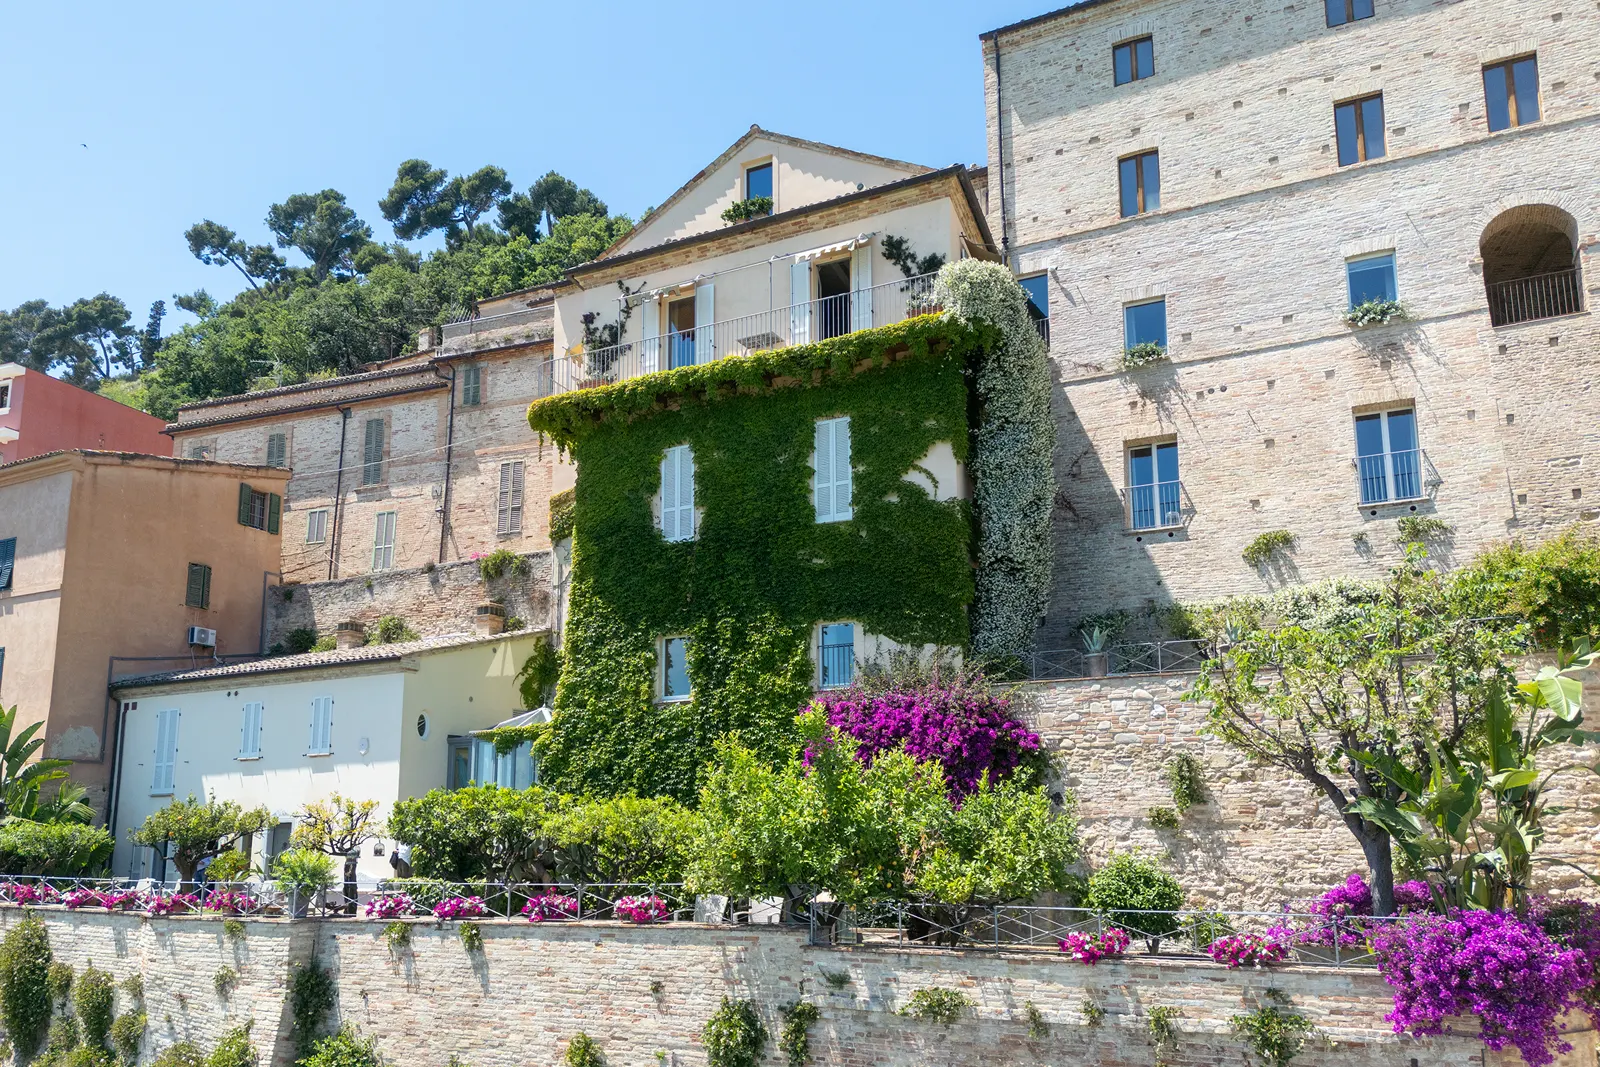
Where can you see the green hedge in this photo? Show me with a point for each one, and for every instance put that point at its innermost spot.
(762, 571)
(66, 849)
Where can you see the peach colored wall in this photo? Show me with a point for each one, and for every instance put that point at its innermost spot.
(35, 513)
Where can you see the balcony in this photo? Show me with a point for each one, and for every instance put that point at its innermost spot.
(1542, 296)
(814, 320)
(1155, 506)
(1394, 477)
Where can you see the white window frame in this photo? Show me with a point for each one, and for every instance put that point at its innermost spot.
(321, 727)
(855, 641)
(163, 780)
(5, 395)
(250, 731)
(661, 670)
(382, 550)
(826, 480)
(317, 522)
(1356, 261)
(1390, 478)
(677, 494)
(508, 499)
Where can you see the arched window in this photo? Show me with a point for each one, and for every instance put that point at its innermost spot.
(1530, 265)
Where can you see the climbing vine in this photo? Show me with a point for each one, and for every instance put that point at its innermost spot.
(91, 1002)
(795, 1040)
(761, 571)
(734, 1036)
(25, 996)
(1011, 456)
(311, 997)
(1274, 1034)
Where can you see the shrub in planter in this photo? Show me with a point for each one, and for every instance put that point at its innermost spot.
(303, 873)
(389, 906)
(1143, 354)
(550, 906)
(1129, 883)
(651, 909)
(1247, 950)
(1092, 948)
(1377, 313)
(231, 902)
(230, 866)
(172, 904)
(460, 908)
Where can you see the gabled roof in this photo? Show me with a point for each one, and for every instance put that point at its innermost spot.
(738, 146)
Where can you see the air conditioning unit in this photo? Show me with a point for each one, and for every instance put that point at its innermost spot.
(199, 635)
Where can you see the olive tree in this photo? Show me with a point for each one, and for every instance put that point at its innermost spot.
(192, 830)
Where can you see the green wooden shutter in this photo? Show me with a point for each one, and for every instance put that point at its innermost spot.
(245, 493)
(372, 456)
(274, 507)
(205, 588)
(8, 559)
(198, 592)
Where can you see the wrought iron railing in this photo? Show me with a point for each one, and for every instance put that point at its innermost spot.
(838, 666)
(813, 320)
(470, 325)
(1542, 296)
(1137, 657)
(1157, 506)
(1387, 477)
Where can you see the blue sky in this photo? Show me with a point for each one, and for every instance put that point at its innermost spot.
(217, 110)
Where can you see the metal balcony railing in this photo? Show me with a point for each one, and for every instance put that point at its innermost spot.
(813, 320)
(1156, 506)
(838, 666)
(1543, 296)
(1139, 657)
(1391, 476)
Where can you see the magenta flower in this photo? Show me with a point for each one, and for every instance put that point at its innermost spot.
(389, 906)
(1248, 950)
(550, 906)
(460, 908)
(642, 910)
(1092, 948)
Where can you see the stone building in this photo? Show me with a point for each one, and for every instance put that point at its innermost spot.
(1227, 183)
(418, 460)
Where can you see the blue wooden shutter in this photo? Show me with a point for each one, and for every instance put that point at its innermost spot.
(841, 469)
(166, 751)
(822, 454)
(669, 494)
(861, 287)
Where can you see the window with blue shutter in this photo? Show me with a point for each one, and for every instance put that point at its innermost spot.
(321, 726)
(250, 732)
(166, 757)
(831, 462)
(677, 494)
(8, 559)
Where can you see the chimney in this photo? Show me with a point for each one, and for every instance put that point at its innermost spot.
(490, 619)
(350, 634)
(425, 339)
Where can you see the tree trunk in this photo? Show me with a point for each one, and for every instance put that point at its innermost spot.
(350, 883)
(185, 875)
(1375, 845)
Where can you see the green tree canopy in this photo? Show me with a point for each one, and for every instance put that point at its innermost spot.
(191, 830)
(323, 227)
(424, 199)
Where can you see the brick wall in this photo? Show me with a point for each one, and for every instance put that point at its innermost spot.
(1263, 837)
(438, 601)
(1249, 247)
(532, 988)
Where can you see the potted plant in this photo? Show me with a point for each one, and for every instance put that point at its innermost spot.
(1095, 657)
(303, 875)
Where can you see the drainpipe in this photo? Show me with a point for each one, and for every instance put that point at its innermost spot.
(338, 499)
(121, 729)
(449, 448)
(1000, 150)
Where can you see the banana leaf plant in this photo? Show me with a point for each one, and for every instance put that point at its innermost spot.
(1476, 818)
(20, 780)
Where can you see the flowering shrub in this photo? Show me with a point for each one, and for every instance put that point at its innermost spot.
(176, 904)
(93, 898)
(390, 906)
(1573, 924)
(649, 909)
(460, 908)
(551, 905)
(968, 730)
(231, 902)
(1092, 948)
(1247, 950)
(1345, 911)
(27, 893)
(1506, 971)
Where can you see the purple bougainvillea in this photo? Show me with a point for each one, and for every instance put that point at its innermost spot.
(964, 727)
(1502, 969)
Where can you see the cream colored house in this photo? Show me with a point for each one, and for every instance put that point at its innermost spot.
(689, 286)
(374, 722)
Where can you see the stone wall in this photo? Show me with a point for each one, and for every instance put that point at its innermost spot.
(642, 992)
(1263, 837)
(433, 601)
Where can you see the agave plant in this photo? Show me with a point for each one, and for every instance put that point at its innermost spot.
(1094, 640)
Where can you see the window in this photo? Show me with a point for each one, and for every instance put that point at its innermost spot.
(1140, 177)
(1371, 278)
(1154, 494)
(1145, 323)
(1389, 461)
(277, 450)
(166, 760)
(675, 668)
(321, 726)
(423, 726)
(677, 494)
(1038, 289)
(831, 461)
(316, 526)
(8, 560)
(203, 451)
(250, 732)
(471, 385)
(1358, 125)
(260, 510)
(508, 505)
(1511, 90)
(680, 332)
(197, 594)
(836, 651)
(5, 395)
(383, 541)
(1133, 60)
(372, 454)
(1343, 11)
(758, 182)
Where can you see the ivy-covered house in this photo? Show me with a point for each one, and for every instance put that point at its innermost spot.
(750, 530)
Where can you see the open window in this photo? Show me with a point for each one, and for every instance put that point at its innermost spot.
(833, 298)
(1155, 496)
(836, 655)
(1387, 457)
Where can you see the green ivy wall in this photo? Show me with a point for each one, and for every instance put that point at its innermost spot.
(761, 571)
